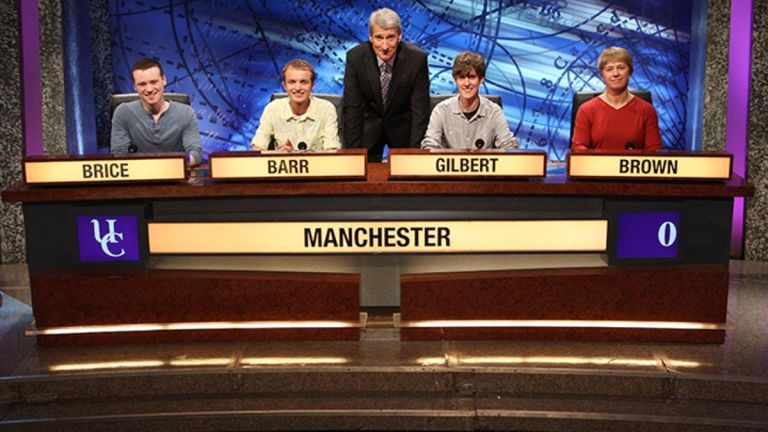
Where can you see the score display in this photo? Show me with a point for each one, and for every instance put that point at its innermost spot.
(647, 235)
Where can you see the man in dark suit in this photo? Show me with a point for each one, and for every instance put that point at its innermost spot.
(386, 89)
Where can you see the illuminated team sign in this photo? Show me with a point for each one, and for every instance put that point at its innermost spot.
(691, 166)
(466, 164)
(101, 170)
(377, 237)
(107, 238)
(347, 164)
(647, 235)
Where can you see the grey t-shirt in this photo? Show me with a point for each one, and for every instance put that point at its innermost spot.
(175, 131)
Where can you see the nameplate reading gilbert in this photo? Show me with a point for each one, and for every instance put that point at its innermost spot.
(287, 166)
(62, 171)
(467, 165)
(692, 166)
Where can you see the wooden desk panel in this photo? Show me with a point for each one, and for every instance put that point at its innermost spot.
(682, 293)
(89, 298)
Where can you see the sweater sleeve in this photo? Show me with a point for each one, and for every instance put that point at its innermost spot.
(652, 133)
(582, 130)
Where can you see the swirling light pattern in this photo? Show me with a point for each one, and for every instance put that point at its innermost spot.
(228, 54)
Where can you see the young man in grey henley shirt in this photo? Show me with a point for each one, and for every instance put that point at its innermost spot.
(153, 124)
(468, 121)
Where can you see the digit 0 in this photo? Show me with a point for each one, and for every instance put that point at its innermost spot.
(667, 234)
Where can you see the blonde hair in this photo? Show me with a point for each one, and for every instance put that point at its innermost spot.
(612, 54)
(300, 65)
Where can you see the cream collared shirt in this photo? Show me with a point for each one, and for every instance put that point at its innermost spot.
(318, 127)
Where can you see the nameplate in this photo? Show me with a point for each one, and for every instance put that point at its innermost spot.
(101, 170)
(466, 164)
(347, 164)
(377, 237)
(693, 166)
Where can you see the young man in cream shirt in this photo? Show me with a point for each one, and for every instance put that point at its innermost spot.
(300, 121)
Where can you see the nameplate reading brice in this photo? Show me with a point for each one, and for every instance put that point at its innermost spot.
(271, 166)
(650, 167)
(467, 165)
(377, 237)
(117, 170)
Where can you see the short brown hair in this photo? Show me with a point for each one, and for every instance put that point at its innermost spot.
(147, 63)
(467, 61)
(301, 65)
(613, 54)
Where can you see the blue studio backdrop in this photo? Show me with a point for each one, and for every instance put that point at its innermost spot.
(227, 54)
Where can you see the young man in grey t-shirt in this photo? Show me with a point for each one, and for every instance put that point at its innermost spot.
(153, 124)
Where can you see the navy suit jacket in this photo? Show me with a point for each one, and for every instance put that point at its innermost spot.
(406, 115)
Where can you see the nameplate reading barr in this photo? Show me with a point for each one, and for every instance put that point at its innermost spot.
(346, 164)
(691, 166)
(467, 164)
(101, 170)
(320, 237)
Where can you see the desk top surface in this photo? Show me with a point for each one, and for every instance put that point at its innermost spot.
(378, 183)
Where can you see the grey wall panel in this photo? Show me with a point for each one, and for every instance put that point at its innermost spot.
(716, 75)
(11, 133)
(756, 232)
(52, 77)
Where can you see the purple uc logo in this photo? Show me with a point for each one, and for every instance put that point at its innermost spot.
(108, 238)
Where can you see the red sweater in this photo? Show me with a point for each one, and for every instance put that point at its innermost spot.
(600, 126)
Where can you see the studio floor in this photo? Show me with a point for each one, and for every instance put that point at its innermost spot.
(459, 384)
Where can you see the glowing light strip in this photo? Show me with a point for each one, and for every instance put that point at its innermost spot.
(424, 361)
(277, 361)
(666, 325)
(106, 365)
(242, 325)
(189, 362)
(559, 360)
(222, 361)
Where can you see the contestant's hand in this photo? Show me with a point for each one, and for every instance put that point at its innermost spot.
(286, 146)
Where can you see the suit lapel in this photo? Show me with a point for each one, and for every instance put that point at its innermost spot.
(395, 76)
(373, 72)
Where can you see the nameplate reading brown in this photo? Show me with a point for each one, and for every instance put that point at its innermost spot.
(79, 170)
(693, 166)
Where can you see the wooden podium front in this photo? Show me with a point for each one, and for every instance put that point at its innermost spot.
(637, 303)
(141, 306)
(620, 296)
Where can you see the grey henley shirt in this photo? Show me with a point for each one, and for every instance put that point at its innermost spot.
(450, 128)
(175, 131)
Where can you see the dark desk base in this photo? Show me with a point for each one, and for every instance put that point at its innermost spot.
(683, 293)
(93, 298)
